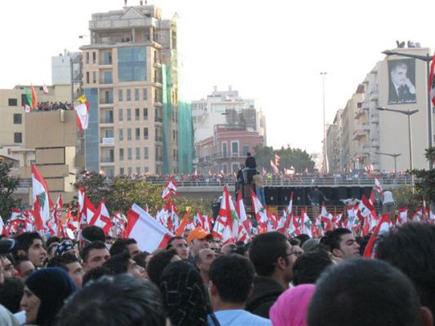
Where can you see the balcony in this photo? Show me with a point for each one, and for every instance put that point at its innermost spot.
(106, 121)
(108, 81)
(110, 141)
(375, 119)
(106, 102)
(158, 140)
(358, 134)
(375, 143)
(108, 160)
(359, 113)
(366, 105)
(374, 96)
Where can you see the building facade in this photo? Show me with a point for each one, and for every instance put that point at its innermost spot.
(226, 149)
(130, 78)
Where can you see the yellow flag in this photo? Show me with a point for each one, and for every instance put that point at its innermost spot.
(82, 99)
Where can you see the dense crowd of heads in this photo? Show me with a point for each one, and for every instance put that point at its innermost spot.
(197, 280)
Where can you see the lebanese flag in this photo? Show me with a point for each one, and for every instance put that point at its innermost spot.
(241, 211)
(44, 89)
(403, 215)
(382, 228)
(82, 111)
(277, 160)
(148, 233)
(274, 167)
(80, 202)
(431, 80)
(378, 186)
(3, 227)
(88, 212)
(102, 218)
(260, 213)
(41, 193)
(170, 189)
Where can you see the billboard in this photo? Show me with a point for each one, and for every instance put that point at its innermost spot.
(401, 81)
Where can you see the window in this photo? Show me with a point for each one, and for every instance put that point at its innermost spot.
(121, 134)
(225, 168)
(18, 119)
(235, 148)
(120, 91)
(138, 170)
(137, 114)
(137, 133)
(137, 153)
(224, 150)
(131, 64)
(130, 171)
(108, 77)
(121, 154)
(128, 95)
(108, 133)
(145, 94)
(108, 97)
(145, 114)
(130, 154)
(136, 94)
(129, 133)
(145, 153)
(245, 149)
(94, 77)
(145, 133)
(87, 77)
(13, 102)
(120, 114)
(128, 114)
(121, 171)
(107, 58)
(94, 57)
(87, 58)
(235, 167)
(18, 137)
(174, 135)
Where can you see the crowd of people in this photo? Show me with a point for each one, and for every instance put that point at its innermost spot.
(53, 106)
(197, 280)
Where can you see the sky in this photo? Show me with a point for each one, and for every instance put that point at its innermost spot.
(273, 51)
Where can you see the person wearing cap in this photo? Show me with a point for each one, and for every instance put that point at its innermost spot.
(198, 239)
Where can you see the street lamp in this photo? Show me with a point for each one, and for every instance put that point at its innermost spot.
(426, 59)
(394, 156)
(325, 159)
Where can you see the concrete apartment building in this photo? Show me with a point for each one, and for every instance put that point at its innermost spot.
(226, 107)
(372, 131)
(130, 78)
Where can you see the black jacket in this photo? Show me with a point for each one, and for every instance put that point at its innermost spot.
(250, 162)
(266, 292)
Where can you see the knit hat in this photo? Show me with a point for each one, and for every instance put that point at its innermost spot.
(291, 308)
(52, 286)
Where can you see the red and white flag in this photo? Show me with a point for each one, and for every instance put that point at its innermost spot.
(170, 189)
(382, 228)
(277, 160)
(148, 233)
(403, 215)
(44, 89)
(82, 111)
(274, 167)
(41, 194)
(431, 80)
(102, 218)
(378, 186)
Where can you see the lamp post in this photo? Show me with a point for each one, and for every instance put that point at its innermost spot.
(394, 156)
(325, 159)
(426, 59)
(408, 113)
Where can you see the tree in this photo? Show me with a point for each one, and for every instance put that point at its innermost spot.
(425, 184)
(405, 198)
(289, 157)
(8, 185)
(121, 193)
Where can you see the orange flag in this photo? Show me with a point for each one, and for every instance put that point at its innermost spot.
(183, 224)
(34, 98)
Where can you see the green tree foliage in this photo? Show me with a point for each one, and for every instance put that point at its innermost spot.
(295, 157)
(121, 193)
(405, 198)
(8, 184)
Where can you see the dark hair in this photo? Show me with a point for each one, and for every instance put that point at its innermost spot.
(233, 276)
(121, 245)
(62, 261)
(114, 300)
(20, 259)
(169, 245)
(93, 233)
(294, 242)
(248, 154)
(362, 292)
(11, 292)
(264, 251)
(302, 238)
(332, 239)
(157, 264)
(51, 240)
(25, 240)
(94, 245)
(95, 274)
(184, 295)
(140, 259)
(411, 248)
(118, 263)
(308, 267)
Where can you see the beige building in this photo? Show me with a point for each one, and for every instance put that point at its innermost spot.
(396, 83)
(130, 79)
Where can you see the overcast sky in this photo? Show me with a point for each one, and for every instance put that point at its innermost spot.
(270, 50)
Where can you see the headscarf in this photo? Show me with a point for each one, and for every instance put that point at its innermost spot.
(291, 308)
(184, 295)
(52, 286)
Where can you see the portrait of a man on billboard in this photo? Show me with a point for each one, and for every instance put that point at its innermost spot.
(401, 81)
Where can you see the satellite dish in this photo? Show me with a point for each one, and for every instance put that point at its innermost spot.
(70, 234)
